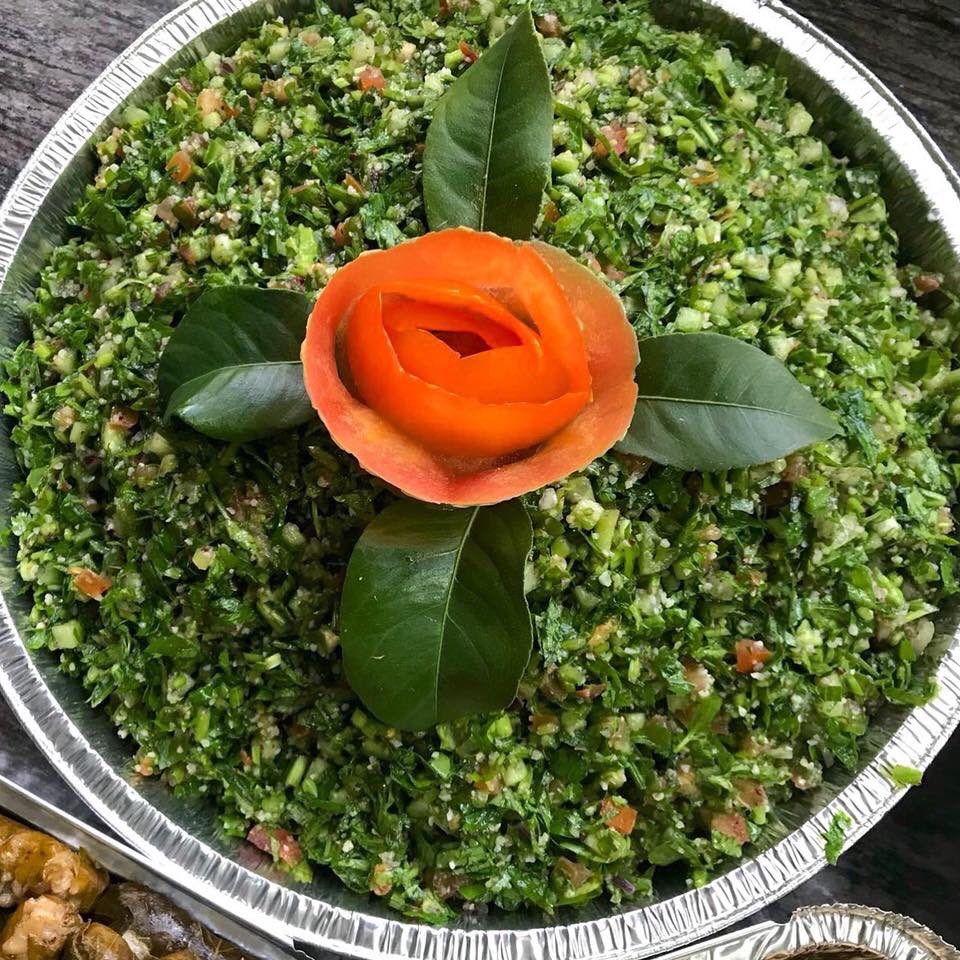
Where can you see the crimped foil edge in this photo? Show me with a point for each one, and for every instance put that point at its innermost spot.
(888, 935)
(231, 887)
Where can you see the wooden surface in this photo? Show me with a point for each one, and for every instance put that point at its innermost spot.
(50, 49)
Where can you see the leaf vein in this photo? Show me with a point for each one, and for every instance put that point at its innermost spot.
(446, 606)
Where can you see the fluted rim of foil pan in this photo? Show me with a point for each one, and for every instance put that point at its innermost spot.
(889, 934)
(634, 933)
(814, 930)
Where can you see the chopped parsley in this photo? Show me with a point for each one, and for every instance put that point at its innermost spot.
(835, 836)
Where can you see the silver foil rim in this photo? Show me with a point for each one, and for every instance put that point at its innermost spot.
(891, 935)
(40, 194)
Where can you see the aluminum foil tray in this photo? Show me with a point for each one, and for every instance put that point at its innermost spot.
(923, 196)
(838, 932)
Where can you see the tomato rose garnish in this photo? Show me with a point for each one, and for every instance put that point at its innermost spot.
(465, 368)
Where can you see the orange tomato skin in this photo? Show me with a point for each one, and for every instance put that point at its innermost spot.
(90, 584)
(457, 406)
(412, 437)
(622, 819)
(180, 167)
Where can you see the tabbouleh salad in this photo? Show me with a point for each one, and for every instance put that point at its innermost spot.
(707, 645)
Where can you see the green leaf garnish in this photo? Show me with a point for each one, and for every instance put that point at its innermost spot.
(232, 370)
(710, 402)
(835, 836)
(489, 145)
(433, 620)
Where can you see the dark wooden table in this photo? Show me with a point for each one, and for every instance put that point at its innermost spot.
(50, 49)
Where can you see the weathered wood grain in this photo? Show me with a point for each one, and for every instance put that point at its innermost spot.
(49, 51)
(912, 45)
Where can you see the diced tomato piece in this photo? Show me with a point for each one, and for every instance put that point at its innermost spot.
(551, 213)
(287, 848)
(796, 469)
(124, 417)
(492, 785)
(616, 135)
(90, 584)
(209, 101)
(380, 882)
(622, 819)
(276, 89)
(370, 78)
(750, 793)
(697, 675)
(751, 655)
(731, 825)
(591, 691)
(145, 766)
(341, 235)
(687, 781)
(601, 633)
(469, 54)
(187, 254)
(701, 179)
(446, 884)
(179, 167)
(576, 873)
(259, 837)
(352, 183)
(548, 25)
(544, 723)
(639, 80)
(290, 852)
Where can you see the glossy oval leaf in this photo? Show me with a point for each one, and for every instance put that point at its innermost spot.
(434, 624)
(231, 368)
(710, 402)
(489, 145)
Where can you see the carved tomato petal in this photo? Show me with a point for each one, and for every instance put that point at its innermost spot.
(596, 357)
